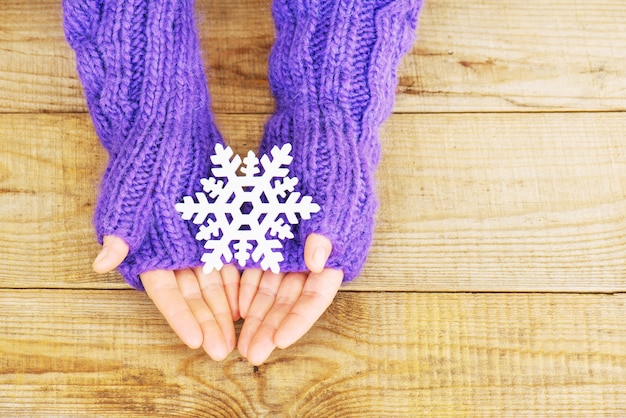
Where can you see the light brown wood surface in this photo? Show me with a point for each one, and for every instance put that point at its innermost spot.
(485, 55)
(373, 354)
(497, 279)
(469, 202)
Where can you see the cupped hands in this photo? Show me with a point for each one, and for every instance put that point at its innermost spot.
(278, 309)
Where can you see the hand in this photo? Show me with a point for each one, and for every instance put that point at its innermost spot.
(199, 307)
(280, 308)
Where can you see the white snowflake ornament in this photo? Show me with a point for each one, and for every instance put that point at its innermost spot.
(247, 210)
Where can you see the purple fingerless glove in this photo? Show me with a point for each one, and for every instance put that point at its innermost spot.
(141, 69)
(333, 74)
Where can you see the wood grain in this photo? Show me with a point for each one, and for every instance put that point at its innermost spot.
(471, 56)
(86, 353)
(478, 202)
(533, 202)
(490, 55)
(527, 207)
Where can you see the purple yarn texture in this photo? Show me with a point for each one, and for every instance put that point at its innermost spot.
(333, 74)
(140, 66)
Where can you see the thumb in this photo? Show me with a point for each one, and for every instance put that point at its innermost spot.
(114, 251)
(317, 249)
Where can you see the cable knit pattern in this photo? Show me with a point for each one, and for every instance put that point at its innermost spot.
(333, 74)
(140, 66)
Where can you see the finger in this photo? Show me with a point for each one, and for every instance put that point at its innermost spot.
(317, 295)
(114, 251)
(262, 343)
(250, 280)
(317, 249)
(230, 278)
(262, 303)
(214, 295)
(214, 342)
(162, 288)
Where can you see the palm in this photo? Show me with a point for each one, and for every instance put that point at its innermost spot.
(278, 308)
(196, 305)
(199, 307)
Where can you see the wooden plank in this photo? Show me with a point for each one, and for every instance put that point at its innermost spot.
(49, 171)
(502, 202)
(37, 67)
(516, 55)
(488, 55)
(484, 202)
(109, 352)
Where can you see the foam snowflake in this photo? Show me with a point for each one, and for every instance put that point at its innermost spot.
(246, 213)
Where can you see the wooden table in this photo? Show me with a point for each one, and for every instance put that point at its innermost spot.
(496, 284)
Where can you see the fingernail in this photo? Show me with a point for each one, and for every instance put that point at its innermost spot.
(320, 256)
(102, 255)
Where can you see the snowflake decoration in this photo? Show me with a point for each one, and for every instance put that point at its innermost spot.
(247, 210)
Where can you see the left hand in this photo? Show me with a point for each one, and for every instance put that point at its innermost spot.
(280, 308)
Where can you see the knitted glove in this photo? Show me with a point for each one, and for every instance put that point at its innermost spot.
(140, 66)
(333, 74)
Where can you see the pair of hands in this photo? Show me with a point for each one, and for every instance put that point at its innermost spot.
(201, 308)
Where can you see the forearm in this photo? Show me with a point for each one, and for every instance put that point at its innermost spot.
(140, 65)
(333, 73)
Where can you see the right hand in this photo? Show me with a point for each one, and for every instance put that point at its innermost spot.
(200, 307)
